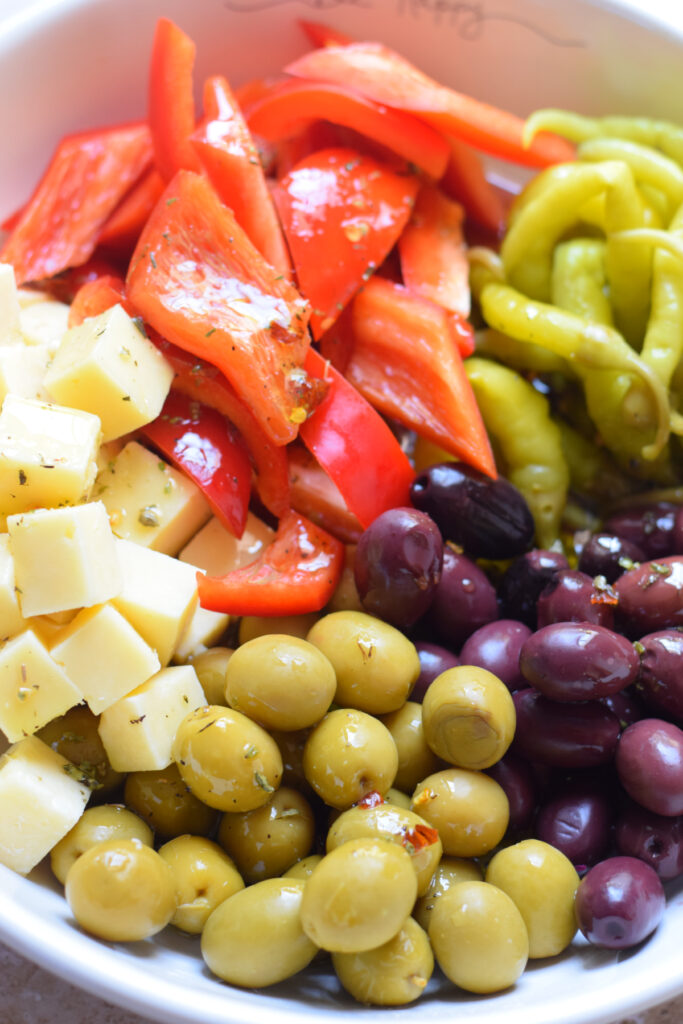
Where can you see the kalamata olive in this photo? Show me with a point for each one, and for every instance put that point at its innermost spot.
(619, 902)
(516, 778)
(464, 600)
(525, 580)
(575, 597)
(677, 537)
(649, 761)
(570, 661)
(626, 705)
(650, 527)
(605, 554)
(488, 518)
(434, 660)
(496, 647)
(651, 837)
(660, 680)
(577, 822)
(564, 735)
(398, 565)
(651, 596)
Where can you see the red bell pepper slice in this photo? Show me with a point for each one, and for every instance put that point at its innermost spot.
(97, 296)
(323, 35)
(317, 497)
(380, 74)
(230, 158)
(465, 181)
(171, 99)
(210, 451)
(199, 281)
(289, 107)
(86, 179)
(297, 573)
(122, 229)
(355, 447)
(406, 363)
(341, 212)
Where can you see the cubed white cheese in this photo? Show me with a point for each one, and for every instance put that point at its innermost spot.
(22, 369)
(33, 688)
(204, 629)
(44, 323)
(10, 329)
(217, 551)
(11, 619)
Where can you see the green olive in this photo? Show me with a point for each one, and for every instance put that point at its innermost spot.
(210, 667)
(450, 871)
(164, 801)
(397, 798)
(121, 891)
(392, 974)
(252, 626)
(542, 882)
(228, 761)
(291, 746)
(345, 598)
(358, 896)
(280, 681)
(303, 868)
(204, 877)
(415, 759)
(375, 664)
(75, 736)
(255, 937)
(347, 755)
(403, 827)
(469, 717)
(479, 938)
(266, 841)
(469, 809)
(97, 825)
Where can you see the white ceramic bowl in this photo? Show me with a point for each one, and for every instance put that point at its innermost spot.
(74, 64)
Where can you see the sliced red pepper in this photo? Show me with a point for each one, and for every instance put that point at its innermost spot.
(382, 75)
(66, 285)
(432, 250)
(417, 837)
(465, 181)
(317, 497)
(372, 799)
(323, 35)
(86, 179)
(97, 296)
(199, 281)
(341, 213)
(463, 333)
(289, 107)
(171, 99)
(297, 573)
(252, 91)
(210, 451)
(406, 363)
(122, 229)
(230, 158)
(355, 447)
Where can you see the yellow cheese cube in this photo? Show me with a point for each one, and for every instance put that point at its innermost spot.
(104, 656)
(30, 297)
(22, 369)
(44, 323)
(158, 596)
(11, 619)
(63, 558)
(204, 630)
(10, 330)
(138, 731)
(217, 551)
(47, 455)
(40, 800)
(106, 453)
(107, 366)
(33, 688)
(149, 502)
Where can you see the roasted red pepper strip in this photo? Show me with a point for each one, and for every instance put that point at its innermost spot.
(199, 281)
(355, 447)
(123, 228)
(291, 106)
(210, 451)
(296, 574)
(317, 497)
(465, 181)
(95, 297)
(86, 179)
(406, 363)
(341, 213)
(323, 35)
(230, 158)
(380, 74)
(171, 99)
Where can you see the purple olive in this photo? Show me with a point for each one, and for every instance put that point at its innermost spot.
(605, 554)
(677, 539)
(524, 581)
(569, 661)
(433, 661)
(577, 822)
(651, 837)
(619, 902)
(517, 779)
(650, 527)
(564, 735)
(464, 600)
(651, 596)
(496, 647)
(575, 597)
(626, 705)
(649, 761)
(660, 681)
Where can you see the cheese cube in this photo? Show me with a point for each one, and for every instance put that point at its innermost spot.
(218, 551)
(40, 800)
(138, 731)
(204, 629)
(63, 558)
(33, 688)
(47, 455)
(149, 502)
(44, 323)
(22, 368)
(104, 656)
(10, 330)
(30, 297)
(11, 619)
(158, 597)
(107, 366)
(106, 453)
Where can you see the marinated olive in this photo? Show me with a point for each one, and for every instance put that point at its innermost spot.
(303, 869)
(393, 974)
(464, 601)
(650, 527)
(434, 660)
(572, 596)
(605, 554)
(210, 667)
(468, 717)
(450, 871)
(651, 596)
(204, 877)
(121, 891)
(255, 938)
(291, 746)
(517, 779)
(619, 902)
(345, 597)
(524, 581)
(359, 896)
(496, 647)
(375, 664)
(574, 661)
(469, 810)
(282, 682)
(252, 626)
(165, 802)
(580, 735)
(267, 840)
(228, 761)
(415, 758)
(97, 825)
(349, 754)
(397, 798)
(577, 822)
(660, 680)
(649, 761)
(654, 838)
(75, 736)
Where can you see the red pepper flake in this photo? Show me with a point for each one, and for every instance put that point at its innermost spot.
(371, 799)
(419, 836)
